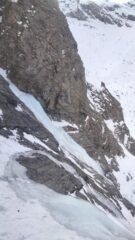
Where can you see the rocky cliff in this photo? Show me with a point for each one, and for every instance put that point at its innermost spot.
(40, 55)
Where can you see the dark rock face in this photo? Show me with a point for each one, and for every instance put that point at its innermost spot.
(49, 173)
(41, 56)
(131, 17)
(110, 108)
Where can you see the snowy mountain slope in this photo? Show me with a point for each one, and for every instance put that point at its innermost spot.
(108, 12)
(52, 211)
(111, 60)
(108, 54)
(22, 200)
(50, 68)
(40, 55)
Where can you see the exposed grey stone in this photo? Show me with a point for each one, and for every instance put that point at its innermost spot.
(131, 17)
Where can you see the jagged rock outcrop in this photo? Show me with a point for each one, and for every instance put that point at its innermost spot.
(110, 109)
(106, 12)
(40, 55)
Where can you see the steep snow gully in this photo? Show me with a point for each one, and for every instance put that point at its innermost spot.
(23, 199)
(31, 211)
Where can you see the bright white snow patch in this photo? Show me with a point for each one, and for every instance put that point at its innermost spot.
(110, 124)
(0, 19)
(64, 123)
(19, 108)
(1, 114)
(104, 1)
(3, 73)
(33, 139)
(14, 1)
(8, 147)
(126, 175)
